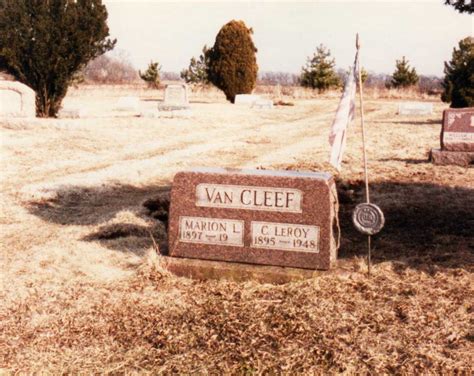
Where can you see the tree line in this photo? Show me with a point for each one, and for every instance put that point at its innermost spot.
(47, 45)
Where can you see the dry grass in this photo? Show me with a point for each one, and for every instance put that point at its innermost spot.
(82, 289)
(399, 321)
(298, 92)
(210, 94)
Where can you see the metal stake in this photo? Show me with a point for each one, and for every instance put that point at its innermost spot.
(368, 255)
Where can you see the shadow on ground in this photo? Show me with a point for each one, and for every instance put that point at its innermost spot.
(427, 225)
(98, 207)
(406, 160)
(413, 122)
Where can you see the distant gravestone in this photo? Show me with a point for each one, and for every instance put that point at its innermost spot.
(176, 98)
(71, 113)
(266, 104)
(279, 218)
(457, 138)
(16, 100)
(415, 108)
(128, 103)
(457, 133)
(150, 113)
(246, 99)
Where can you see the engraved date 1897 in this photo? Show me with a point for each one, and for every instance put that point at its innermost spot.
(211, 231)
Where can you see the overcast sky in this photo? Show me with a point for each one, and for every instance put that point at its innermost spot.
(286, 33)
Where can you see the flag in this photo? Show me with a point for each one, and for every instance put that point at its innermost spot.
(344, 115)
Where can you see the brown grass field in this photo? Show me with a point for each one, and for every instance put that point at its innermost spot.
(83, 291)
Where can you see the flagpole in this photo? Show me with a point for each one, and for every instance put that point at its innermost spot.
(366, 175)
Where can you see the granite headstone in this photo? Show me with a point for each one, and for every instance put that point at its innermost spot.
(279, 218)
(458, 130)
(457, 138)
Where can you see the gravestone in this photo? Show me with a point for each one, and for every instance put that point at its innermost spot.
(128, 103)
(71, 113)
(279, 218)
(150, 113)
(265, 104)
(246, 99)
(176, 98)
(415, 108)
(16, 100)
(457, 133)
(457, 138)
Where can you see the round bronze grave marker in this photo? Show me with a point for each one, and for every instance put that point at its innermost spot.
(368, 218)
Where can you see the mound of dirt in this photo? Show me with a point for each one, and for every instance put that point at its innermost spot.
(159, 206)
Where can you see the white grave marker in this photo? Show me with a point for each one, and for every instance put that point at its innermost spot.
(266, 104)
(16, 100)
(176, 98)
(246, 99)
(415, 108)
(128, 103)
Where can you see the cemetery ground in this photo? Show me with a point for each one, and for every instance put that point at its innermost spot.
(82, 288)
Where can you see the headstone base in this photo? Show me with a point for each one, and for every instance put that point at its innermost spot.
(263, 104)
(458, 158)
(237, 272)
(175, 114)
(150, 114)
(172, 107)
(70, 113)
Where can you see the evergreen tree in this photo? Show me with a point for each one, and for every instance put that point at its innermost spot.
(458, 82)
(44, 44)
(152, 75)
(232, 61)
(197, 70)
(404, 76)
(363, 75)
(462, 6)
(319, 72)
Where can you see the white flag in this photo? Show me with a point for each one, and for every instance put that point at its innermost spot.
(344, 115)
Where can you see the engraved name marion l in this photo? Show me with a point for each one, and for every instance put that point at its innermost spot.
(211, 231)
(459, 137)
(248, 197)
